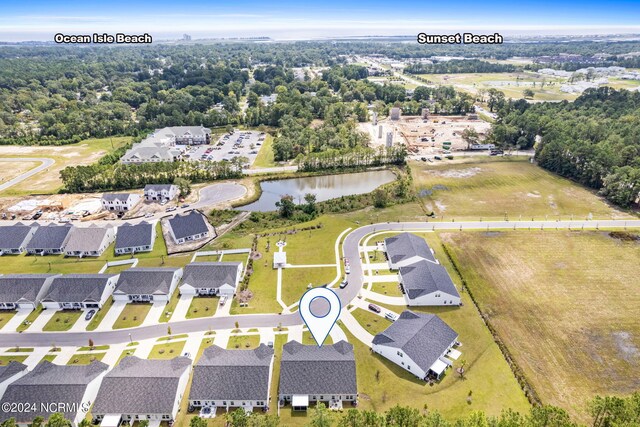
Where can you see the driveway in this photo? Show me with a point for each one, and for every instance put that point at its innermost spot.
(81, 323)
(111, 316)
(157, 310)
(41, 320)
(16, 320)
(182, 308)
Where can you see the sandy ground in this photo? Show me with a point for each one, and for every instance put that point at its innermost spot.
(10, 170)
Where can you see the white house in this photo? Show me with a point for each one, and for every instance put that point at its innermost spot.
(134, 238)
(188, 227)
(119, 202)
(427, 283)
(23, 291)
(72, 389)
(140, 389)
(89, 241)
(417, 342)
(211, 278)
(279, 260)
(147, 284)
(406, 249)
(232, 379)
(9, 373)
(309, 373)
(79, 291)
(160, 192)
(14, 238)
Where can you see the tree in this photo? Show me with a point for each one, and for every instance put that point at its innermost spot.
(142, 423)
(286, 207)
(321, 416)
(11, 422)
(380, 198)
(197, 422)
(237, 418)
(402, 416)
(184, 185)
(90, 344)
(528, 93)
(310, 207)
(58, 420)
(37, 422)
(470, 136)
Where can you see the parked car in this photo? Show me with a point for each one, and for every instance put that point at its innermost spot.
(375, 308)
(186, 205)
(89, 314)
(344, 283)
(149, 215)
(223, 300)
(170, 209)
(347, 269)
(390, 316)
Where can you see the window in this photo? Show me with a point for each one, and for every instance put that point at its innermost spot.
(400, 353)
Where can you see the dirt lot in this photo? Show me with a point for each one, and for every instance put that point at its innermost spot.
(411, 130)
(564, 303)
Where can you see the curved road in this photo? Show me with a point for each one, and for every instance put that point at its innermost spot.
(350, 250)
(45, 163)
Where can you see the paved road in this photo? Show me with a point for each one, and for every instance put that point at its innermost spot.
(45, 163)
(350, 250)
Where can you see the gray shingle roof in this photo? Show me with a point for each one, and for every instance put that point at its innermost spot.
(238, 375)
(140, 386)
(309, 369)
(112, 197)
(85, 239)
(425, 277)
(13, 236)
(407, 245)
(181, 130)
(131, 236)
(188, 225)
(21, 287)
(210, 274)
(9, 370)
(158, 187)
(148, 152)
(77, 288)
(146, 280)
(423, 337)
(49, 237)
(48, 383)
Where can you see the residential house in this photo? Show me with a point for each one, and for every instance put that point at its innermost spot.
(406, 249)
(269, 99)
(147, 284)
(141, 389)
(160, 192)
(232, 379)
(309, 373)
(119, 202)
(150, 153)
(417, 342)
(9, 373)
(188, 227)
(49, 240)
(51, 388)
(89, 241)
(134, 238)
(79, 291)
(14, 238)
(211, 278)
(23, 291)
(427, 283)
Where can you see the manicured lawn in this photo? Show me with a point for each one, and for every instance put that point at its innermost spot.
(62, 320)
(265, 157)
(203, 307)
(236, 257)
(562, 303)
(5, 360)
(49, 357)
(243, 341)
(296, 280)
(97, 318)
(387, 288)
(95, 348)
(5, 316)
(307, 339)
(21, 349)
(167, 350)
(170, 307)
(126, 353)
(373, 323)
(490, 188)
(132, 315)
(85, 359)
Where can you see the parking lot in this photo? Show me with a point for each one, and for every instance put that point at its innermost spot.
(238, 144)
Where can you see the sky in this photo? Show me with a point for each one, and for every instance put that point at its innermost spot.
(163, 19)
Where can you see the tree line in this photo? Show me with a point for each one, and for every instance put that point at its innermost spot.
(455, 66)
(594, 140)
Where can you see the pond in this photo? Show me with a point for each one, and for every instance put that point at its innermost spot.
(324, 187)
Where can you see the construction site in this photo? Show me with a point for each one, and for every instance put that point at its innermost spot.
(426, 135)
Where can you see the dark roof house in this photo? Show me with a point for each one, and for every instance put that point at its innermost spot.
(48, 382)
(406, 247)
(11, 369)
(135, 237)
(425, 277)
(14, 238)
(218, 276)
(79, 290)
(141, 386)
(147, 281)
(190, 226)
(21, 289)
(49, 239)
(234, 375)
(313, 370)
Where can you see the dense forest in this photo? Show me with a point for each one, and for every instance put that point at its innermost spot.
(594, 140)
(460, 66)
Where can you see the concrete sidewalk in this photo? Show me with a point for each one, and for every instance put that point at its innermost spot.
(355, 328)
(182, 308)
(16, 320)
(153, 317)
(41, 320)
(111, 316)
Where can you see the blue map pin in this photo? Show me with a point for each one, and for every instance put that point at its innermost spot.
(320, 309)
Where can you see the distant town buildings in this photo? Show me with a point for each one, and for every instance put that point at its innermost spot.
(163, 145)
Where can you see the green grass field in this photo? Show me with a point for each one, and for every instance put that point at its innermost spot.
(243, 342)
(5, 316)
(562, 302)
(167, 350)
(203, 307)
(62, 320)
(373, 323)
(391, 289)
(296, 280)
(5, 360)
(132, 315)
(492, 189)
(97, 318)
(85, 359)
(307, 339)
(265, 157)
